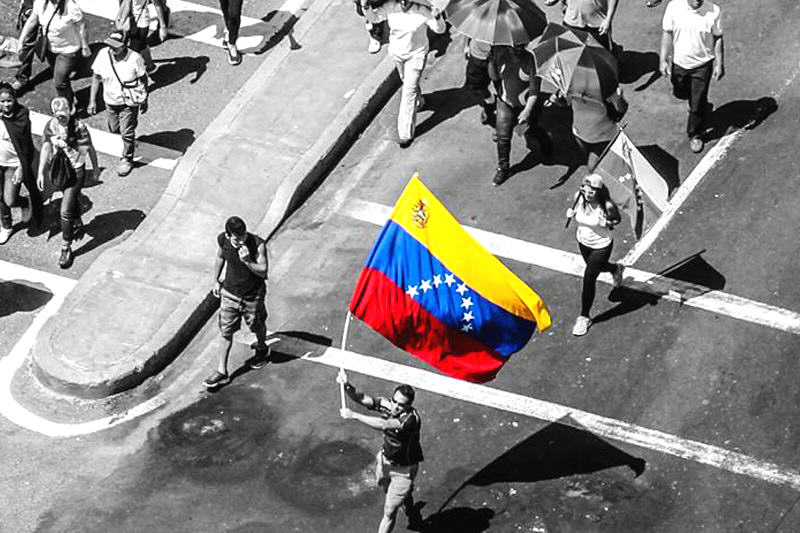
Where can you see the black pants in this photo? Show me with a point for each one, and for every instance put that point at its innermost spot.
(26, 54)
(232, 15)
(507, 117)
(692, 84)
(596, 262)
(70, 205)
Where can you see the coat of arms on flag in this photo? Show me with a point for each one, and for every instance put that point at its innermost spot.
(635, 186)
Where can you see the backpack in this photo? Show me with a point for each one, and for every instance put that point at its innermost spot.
(62, 175)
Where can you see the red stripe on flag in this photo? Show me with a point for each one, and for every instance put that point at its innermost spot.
(387, 309)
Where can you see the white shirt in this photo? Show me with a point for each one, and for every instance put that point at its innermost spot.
(62, 33)
(141, 14)
(129, 70)
(592, 229)
(583, 13)
(693, 32)
(408, 30)
(8, 154)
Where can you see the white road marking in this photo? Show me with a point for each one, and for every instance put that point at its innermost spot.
(111, 144)
(712, 157)
(108, 10)
(551, 412)
(683, 292)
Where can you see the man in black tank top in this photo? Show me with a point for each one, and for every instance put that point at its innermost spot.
(399, 457)
(241, 293)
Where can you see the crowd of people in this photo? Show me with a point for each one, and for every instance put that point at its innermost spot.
(54, 31)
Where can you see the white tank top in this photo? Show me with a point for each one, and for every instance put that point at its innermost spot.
(590, 231)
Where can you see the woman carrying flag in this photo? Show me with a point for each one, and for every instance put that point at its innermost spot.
(595, 216)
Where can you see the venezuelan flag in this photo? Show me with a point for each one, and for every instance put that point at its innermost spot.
(432, 290)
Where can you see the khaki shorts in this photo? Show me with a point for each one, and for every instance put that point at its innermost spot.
(397, 482)
(232, 309)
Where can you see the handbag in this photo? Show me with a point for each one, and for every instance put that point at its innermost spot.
(136, 91)
(62, 174)
(42, 45)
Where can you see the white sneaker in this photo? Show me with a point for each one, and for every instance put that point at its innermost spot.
(617, 275)
(5, 234)
(374, 45)
(581, 326)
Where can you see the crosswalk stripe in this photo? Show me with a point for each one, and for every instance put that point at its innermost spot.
(111, 144)
(683, 292)
(108, 10)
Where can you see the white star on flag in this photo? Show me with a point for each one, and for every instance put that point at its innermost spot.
(412, 291)
(425, 286)
(449, 279)
(466, 327)
(462, 288)
(467, 316)
(437, 280)
(466, 303)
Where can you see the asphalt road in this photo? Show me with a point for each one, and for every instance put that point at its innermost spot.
(269, 452)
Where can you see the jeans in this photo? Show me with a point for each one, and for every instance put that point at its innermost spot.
(596, 262)
(63, 65)
(232, 15)
(26, 55)
(70, 207)
(507, 117)
(692, 84)
(9, 195)
(410, 71)
(123, 119)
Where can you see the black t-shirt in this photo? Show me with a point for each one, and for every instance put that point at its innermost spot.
(240, 280)
(401, 446)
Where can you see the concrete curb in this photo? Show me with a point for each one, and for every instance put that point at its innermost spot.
(193, 308)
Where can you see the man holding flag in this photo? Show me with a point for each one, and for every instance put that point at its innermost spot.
(399, 457)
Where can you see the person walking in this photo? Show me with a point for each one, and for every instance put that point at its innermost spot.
(513, 71)
(692, 54)
(595, 216)
(592, 16)
(477, 79)
(408, 47)
(594, 123)
(61, 22)
(241, 293)
(123, 75)
(397, 462)
(70, 135)
(133, 18)
(232, 19)
(17, 156)
(374, 24)
(26, 48)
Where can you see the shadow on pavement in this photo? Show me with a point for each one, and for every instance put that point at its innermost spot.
(747, 114)
(634, 65)
(445, 104)
(173, 69)
(693, 269)
(21, 298)
(108, 226)
(560, 449)
(179, 140)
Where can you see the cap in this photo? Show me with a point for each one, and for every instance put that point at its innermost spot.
(116, 38)
(595, 181)
(60, 106)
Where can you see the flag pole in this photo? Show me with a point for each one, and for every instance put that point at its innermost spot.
(608, 146)
(341, 361)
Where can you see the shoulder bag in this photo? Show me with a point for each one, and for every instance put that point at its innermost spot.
(133, 93)
(41, 45)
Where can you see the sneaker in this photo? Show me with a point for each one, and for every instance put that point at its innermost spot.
(500, 176)
(234, 57)
(404, 143)
(581, 326)
(618, 275)
(260, 359)
(420, 102)
(696, 145)
(124, 167)
(217, 379)
(374, 45)
(5, 234)
(653, 3)
(551, 3)
(66, 257)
